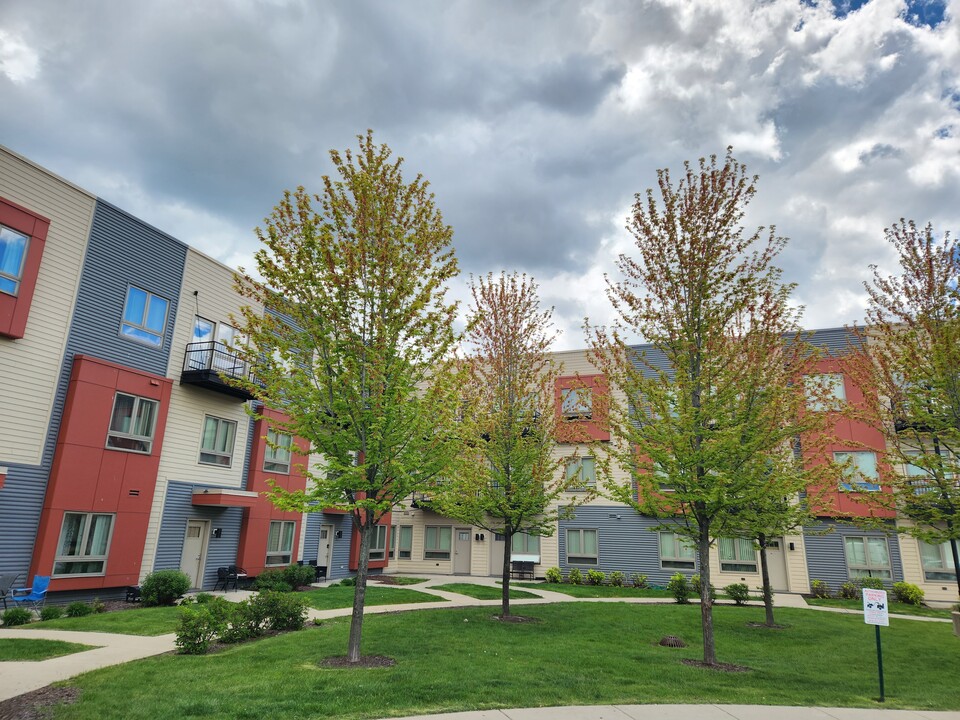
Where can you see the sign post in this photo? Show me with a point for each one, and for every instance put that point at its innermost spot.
(876, 613)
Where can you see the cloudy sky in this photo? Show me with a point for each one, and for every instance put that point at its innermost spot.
(535, 122)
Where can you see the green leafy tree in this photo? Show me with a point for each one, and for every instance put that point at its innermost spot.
(355, 340)
(509, 478)
(910, 364)
(706, 418)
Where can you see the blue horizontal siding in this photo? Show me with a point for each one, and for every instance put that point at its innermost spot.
(826, 554)
(341, 546)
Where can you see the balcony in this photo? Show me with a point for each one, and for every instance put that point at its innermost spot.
(210, 365)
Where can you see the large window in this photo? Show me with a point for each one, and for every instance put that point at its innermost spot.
(216, 445)
(677, 552)
(525, 544)
(144, 317)
(737, 555)
(825, 392)
(401, 542)
(436, 542)
(868, 557)
(84, 544)
(937, 561)
(277, 457)
(581, 546)
(132, 423)
(576, 404)
(930, 468)
(13, 252)
(280, 542)
(860, 470)
(581, 473)
(378, 544)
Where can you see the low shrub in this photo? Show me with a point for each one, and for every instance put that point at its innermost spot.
(869, 582)
(575, 577)
(679, 588)
(282, 610)
(274, 579)
(98, 605)
(553, 575)
(617, 578)
(203, 598)
(907, 593)
(697, 587)
(639, 580)
(596, 577)
(79, 609)
(818, 588)
(16, 616)
(738, 592)
(848, 591)
(196, 629)
(300, 575)
(348, 582)
(51, 612)
(163, 587)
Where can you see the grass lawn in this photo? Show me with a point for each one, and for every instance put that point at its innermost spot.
(462, 659)
(339, 596)
(138, 621)
(29, 649)
(483, 592)
(596, 591)
(398, 579)
(895, 607)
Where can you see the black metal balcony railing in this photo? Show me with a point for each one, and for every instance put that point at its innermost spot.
(210, 365)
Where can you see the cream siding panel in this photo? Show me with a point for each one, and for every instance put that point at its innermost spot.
(944, 590)
(30, 366)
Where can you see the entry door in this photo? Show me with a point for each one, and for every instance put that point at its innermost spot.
(461, 552)
(192, 560)
(325, 550)
(776, 565)
(496, 555)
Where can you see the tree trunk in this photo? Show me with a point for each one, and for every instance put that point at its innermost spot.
(359, 593)
(956, 563)
(765, 579)
(706, 602)
(507, 547)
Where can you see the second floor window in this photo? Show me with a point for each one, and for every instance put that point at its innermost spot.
(576, 404)
(277, 457)
(132, 423)
(825, 392)
(144, 317)
(13, 251)
(216, 445)
(581, 473)
(860, 470)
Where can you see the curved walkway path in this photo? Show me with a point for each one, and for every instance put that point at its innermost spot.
(17, 678)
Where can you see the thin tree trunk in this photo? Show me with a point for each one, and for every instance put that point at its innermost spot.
(505, 598)
(956, 561)
(765, 579)
(359, 593)
(706, 602)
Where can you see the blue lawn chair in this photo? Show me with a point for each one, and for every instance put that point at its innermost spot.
(33, 596)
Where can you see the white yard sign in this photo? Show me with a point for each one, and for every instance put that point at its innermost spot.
(875, 610)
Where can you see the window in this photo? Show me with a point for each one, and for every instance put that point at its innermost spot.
(581, 473)
(216, 445)
(581, 546)
(677, 552)
(868, 557)
(84, 543)
(144, 317)
(737, 555)
(861, 468)
(925, 475)
(525, 544)
(937, 561)
(13, 253)
(277, 457)
(378, 544)
(132, 423)
(436, 543)
(576, 404)
(825, 392)
(280, 542)
(401, 542)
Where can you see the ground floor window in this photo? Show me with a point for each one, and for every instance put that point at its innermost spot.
(436, 542)
(525, 544)
(868, 557)
(737, 555)
(401, 541)
(937, 561)
(280, 542)
(84, 544)
(677, 552)
(378, 544)
(581, 546)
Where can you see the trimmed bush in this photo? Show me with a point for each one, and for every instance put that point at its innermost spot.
(16, 616)
(196, 629)
(282, 610)
(639, 580)
(300, 575)
(907, 593)
(617, 578)
(697, 588)
(164, 587)
(575, 577)
(869, 582)
(274, 579)
(79, 609)
(738, 592)
(51, 612)
(98, 605)
(818, 588)
(348, 582)
(679, 588)
(596, 577)
(848, 591)
(203, 598)
(553, 575)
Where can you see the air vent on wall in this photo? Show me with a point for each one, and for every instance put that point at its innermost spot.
(135, 493)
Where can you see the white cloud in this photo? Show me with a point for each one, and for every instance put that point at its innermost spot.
(18, 61)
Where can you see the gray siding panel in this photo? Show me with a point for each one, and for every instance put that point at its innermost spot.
(826, 554)
(21, 499)
(341, 546)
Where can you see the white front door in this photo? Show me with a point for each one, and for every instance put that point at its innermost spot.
(776, 565)
(461, 552)
(325, 549)
(193, 558)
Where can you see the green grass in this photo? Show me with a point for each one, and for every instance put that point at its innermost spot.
(17, 650)
(139, 621)
(399, 579)
(895, 607)
(339, 596)
(460, 659)
(596, 591)
(483, 592)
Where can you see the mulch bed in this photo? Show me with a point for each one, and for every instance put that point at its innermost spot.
(719, 667)
(36, 705)
(365, 662)
(516, 619)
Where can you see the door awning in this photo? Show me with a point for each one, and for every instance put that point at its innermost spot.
(225, 497)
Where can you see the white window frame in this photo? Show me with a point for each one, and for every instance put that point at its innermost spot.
(139, 331)
(435, 550)
(741, 555)
(869, 568)
(574, 467)
(378, 544)
(576, 404)
(945, 571)
(15, 278)
(582, 557)
(833, 383)
(212, 453)
(273, 456)
(671, 551)
(862, 485)
(83, 541)
(276, 552)
(117, 438)
(401, 542)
